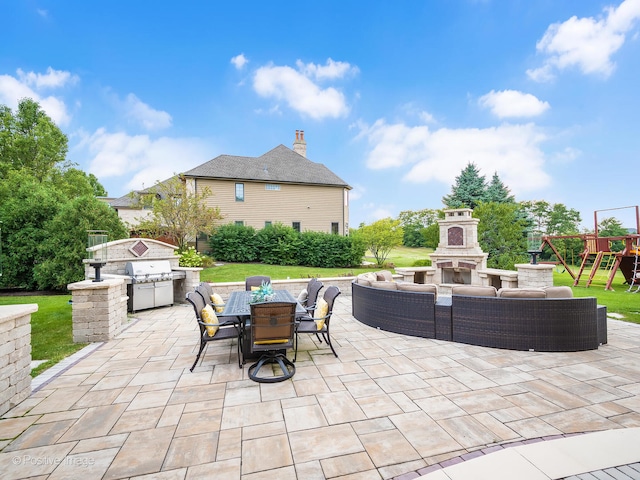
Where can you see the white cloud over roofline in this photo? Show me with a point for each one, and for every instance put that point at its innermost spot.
(513, 151)
(586, 43)
(298, 90)
(512, 103)
(139, 160)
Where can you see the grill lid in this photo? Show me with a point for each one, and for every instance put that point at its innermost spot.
(149, 270)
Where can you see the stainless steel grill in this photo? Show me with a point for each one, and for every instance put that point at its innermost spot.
(151, 284)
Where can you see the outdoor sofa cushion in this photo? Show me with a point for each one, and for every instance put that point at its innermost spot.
(522, 293)
(385, 285)
(474, 290)
(559, 292)
(366, 279)
(419, 287)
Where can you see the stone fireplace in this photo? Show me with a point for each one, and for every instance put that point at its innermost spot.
(458, 258)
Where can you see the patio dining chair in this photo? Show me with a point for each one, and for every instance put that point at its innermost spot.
(210, 298)
(313, 289)
(321, 319)
(255, 281)
(210, 328)
(272, 332)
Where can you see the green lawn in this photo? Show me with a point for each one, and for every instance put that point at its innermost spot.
(51, 328)
(237, 272)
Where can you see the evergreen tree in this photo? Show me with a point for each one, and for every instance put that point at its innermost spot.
(469, 190)
(498, 192)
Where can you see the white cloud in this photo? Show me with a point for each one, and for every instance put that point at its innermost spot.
(239, 61)
(586, 43)
(511, 150)
(567, 155)
(142, 113)
(330, 71)
(139, 160)
(512, 103)
(356, 192)
(26, 85)
(51, 79)
(297, 89)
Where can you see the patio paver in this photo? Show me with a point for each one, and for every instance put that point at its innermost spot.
(390, 406)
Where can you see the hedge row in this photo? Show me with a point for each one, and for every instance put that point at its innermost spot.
(282, 245)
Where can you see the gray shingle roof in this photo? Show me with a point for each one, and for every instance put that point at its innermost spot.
(281, 165)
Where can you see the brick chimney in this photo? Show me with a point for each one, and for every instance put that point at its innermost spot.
(299, 144)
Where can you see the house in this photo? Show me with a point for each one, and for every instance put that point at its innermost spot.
(280, 186)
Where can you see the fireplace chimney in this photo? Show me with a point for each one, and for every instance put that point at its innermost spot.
(299, 144)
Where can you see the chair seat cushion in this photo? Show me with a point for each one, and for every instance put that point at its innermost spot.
(321, 311)
(271, 342)
(210, 317)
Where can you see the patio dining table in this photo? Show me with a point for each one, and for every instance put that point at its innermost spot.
(238, 307)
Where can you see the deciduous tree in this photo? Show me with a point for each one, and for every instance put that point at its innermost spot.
(177, 212)
(381, 237)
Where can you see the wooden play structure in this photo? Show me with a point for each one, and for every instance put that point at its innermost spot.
(597, 252)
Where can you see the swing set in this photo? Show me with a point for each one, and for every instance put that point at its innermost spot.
(597, 250)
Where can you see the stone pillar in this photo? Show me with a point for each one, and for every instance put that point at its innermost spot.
(15, 354)
(99, 309)
(535, 276)
(183, 285)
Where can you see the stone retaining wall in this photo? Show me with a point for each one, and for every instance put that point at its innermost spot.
(15, 354)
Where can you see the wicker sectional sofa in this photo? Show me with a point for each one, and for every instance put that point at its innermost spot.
(527, 319)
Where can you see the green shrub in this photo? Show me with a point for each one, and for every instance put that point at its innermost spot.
(327, 250)
(190, 257)
(234, 243)
(425, 262)
(278, 245)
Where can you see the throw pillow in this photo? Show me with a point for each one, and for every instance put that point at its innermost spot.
(209, 317)
(384, 276)
(322, 310)
(302, 297)
(218, 303)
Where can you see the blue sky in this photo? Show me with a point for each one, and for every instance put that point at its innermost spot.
(394, 97)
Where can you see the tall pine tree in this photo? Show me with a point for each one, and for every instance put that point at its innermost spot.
(498, 192)
(469, 190)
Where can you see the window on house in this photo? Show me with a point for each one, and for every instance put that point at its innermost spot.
(239, 192)
(335, 228)
(296, 226)
(272, 186)
(239, 223)
(267, 223)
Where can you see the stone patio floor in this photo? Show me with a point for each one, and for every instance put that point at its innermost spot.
(390, 406)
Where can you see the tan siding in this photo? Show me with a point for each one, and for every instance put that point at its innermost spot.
(315, 207)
